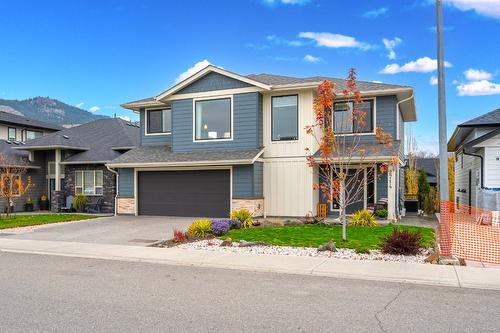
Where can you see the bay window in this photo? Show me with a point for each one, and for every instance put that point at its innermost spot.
(213, 119)
(284, 118)
(88, 182)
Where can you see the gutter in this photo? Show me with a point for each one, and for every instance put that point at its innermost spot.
(117, 187)
(482, 164)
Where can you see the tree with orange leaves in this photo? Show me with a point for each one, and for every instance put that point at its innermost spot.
(341, 159)
(12, 185)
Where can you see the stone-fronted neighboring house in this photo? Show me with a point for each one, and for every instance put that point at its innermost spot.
(476, 146)
(220, 140)
(15, 130)
(73, 160)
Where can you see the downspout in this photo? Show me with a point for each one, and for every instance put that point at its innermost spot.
(482, 164)
(117, 187)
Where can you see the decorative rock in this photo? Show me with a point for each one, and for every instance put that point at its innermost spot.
(244, 243)
(227, 242)
(330, 246)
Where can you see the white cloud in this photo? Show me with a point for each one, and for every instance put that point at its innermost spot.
(445, 28)
(334, 40)
(79, 105)
(421, 65)
(377, 81)
(192, 70)
(390, 45)
(285, 2)
(478, 88)
(376, 12)
(483, 7)
(124, 118)
(477, 74)
(94, 109)
(311, 58)
(433, 81)
(280, 41)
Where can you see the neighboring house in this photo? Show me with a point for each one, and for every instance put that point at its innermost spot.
(476, 145)
(72, 161)
(219, 141)
(14, 131)
(430, 165)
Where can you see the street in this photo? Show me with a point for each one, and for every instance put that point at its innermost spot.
(51, 293)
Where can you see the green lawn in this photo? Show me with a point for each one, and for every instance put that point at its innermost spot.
(22, 220)
(360, 239)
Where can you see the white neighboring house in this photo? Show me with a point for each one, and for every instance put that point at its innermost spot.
(476, 144)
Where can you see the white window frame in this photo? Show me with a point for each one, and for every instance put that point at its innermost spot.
(8, 133)
(298, 118)
(94, 187)
(12, 183)
(146, 126)
(194, 118)
(374, 99)
(25, 138)
(53, 175)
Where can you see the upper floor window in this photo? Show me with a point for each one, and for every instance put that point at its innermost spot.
(213, 119)
(345, 122)
(33, 134)
(159, 121)
(88, 182)
(12, 134)
(284, 118)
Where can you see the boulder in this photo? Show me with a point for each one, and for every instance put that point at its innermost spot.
(330, 246)
(227, 242)
(244, 243)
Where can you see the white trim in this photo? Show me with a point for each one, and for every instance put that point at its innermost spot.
(374, 120)
(365, 187)
(203, 94)
(146, 122)
(271, 96)
(180, 164)
(194, 118)
(375, 175)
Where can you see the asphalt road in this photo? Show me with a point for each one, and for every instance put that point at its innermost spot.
(49, 293)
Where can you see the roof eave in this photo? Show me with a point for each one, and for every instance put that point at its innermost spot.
(49, 147)
(182, 164)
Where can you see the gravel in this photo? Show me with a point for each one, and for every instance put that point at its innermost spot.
(214, 245)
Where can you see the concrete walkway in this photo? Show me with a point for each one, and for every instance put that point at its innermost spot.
(465, 277)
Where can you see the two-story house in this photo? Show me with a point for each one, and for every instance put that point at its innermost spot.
(219, 141)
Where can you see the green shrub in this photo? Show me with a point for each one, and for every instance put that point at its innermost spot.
(80, 201)
(363, 218)
(431, 201)
(402, 242)
(381, 213)
(200, 228)
(244, 216)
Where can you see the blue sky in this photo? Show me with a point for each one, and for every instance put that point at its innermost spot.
(99, 54)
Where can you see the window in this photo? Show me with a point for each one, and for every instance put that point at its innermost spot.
(345, 122)
(88, 182)
(159, 121)
(30, 135)
(13, 182)
(284, 118)
(213, 119)
(12, 134)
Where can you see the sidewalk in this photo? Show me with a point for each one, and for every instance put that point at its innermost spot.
(464, 277)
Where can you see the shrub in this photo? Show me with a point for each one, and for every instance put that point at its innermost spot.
(244, 216)
(402, 242)
(431, 201)
(381, 213)
(363, 218)
(80, 201)
(235, 224)
(179, 236)
(220, 226)
(200, 228)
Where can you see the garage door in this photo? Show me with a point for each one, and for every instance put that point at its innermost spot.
(200, 193)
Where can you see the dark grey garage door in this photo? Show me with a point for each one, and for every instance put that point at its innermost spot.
(200, 193)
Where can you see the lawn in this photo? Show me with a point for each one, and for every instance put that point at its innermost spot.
(22, 220)
(360, 239)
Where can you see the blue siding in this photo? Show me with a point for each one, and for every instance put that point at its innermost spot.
(247, 181)
(382, 183)
(247, 122)
(152, 139)
(126, 182)
(213, 81)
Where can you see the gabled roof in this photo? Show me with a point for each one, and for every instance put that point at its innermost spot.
(96, 141)
(429, 165)
(488, 119)
(462, 131)
(9, 118)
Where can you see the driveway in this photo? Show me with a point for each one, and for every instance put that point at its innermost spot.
(122, 230)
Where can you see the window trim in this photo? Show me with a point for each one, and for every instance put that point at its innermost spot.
(13, 175)
(25, 138)
(8, 133)
(94, 194)
(231, 122)
(374, 132)
(146, 132)
(298, 131)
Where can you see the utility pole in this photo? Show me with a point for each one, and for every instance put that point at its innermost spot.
(443, 149)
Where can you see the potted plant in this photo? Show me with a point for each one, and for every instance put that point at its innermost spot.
(79, 202)
(44, 202)
(28, 205)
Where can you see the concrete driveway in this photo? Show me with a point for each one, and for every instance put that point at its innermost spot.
(122, 230)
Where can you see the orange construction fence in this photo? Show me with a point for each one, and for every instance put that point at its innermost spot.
(469, 232)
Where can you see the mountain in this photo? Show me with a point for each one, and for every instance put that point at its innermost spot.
(48, 110)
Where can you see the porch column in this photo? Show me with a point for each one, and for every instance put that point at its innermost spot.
(391, 193)
(58, 169)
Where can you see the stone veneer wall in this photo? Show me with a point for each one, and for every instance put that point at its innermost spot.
(126, 205)
(253, 205)
(108, 183)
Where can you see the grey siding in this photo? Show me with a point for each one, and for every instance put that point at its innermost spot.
(247, 123)
(152, 139)
(126, 182)
(247, 181)
(213, 81)
(382, 185)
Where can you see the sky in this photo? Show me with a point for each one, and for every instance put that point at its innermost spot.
(98, 54)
